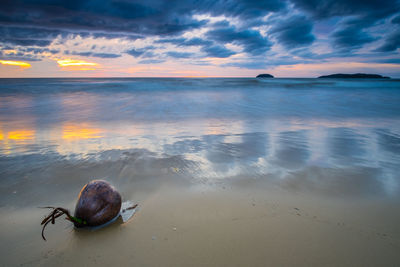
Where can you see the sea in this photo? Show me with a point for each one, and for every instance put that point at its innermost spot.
(333, 138)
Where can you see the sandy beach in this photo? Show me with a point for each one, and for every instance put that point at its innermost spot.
(243, 223)
(223, 177)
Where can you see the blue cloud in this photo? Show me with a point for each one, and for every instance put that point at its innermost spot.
(351, 34)
(141, 52)
(185, 42)
(251, 41)
(217, 51)
(245, 9)
(293, 32)
(19, 55)
(196, 42)
(36, 24)
(392, 43)
(37, 50)
(135, 52)
(322, 9)
(179, 54)
(92, 54)
(24, 36)
(153, 18)
(396, 20)
(176, 41)
(357, 16)
(151, 61)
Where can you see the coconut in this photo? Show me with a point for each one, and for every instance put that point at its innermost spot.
(98, 205)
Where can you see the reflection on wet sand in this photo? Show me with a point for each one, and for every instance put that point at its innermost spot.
(306, 159)
(79, 131)
(21, 135)
(389, 141)
(292, 151)
(229, 171)
(16, 141)
(346, 146)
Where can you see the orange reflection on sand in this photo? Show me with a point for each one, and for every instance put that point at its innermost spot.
(21, 135)
(80, 131)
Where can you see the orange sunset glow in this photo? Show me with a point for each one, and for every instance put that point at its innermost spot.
(15, 63)
(79, 131)
(72, 62)
(21, 135)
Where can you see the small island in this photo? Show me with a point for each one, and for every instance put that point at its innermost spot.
(265, 75)
(354, 76)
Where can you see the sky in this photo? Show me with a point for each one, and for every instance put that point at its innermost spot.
(198, 38)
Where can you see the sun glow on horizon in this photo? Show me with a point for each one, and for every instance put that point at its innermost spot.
(15, 63)
(73, 62)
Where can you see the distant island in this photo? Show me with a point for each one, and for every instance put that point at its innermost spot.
(265, 75)
(355, 76)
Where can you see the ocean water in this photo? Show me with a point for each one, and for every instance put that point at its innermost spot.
(225, 171)
(332, 136)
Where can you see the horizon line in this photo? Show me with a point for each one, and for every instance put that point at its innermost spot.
(181, 77)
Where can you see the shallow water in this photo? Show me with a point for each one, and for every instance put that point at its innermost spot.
(285, 142)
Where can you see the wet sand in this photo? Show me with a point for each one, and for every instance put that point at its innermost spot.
(245, 222)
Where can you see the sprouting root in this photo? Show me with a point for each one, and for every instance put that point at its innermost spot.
(57, 212)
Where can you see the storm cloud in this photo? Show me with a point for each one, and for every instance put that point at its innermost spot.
(217, 51)
(246, 34)
(251, 41)
(294, 32)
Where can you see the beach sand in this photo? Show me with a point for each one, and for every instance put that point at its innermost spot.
(241, 222)
(226, 172)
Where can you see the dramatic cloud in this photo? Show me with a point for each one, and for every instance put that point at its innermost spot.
(40, 50)
(362, 15)
(184, 42)
(91, 54)
(19, 56)
(251, 41)
(26, 36)
(329, 8)
(145, 52)
(396, 20)
(179, 54)
(350, 34)
(151, 61)
(120, 16)
(294, 32)
(217, 36)
(217, 51)
(391, 43)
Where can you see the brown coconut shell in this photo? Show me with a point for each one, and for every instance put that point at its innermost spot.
(98, 203)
